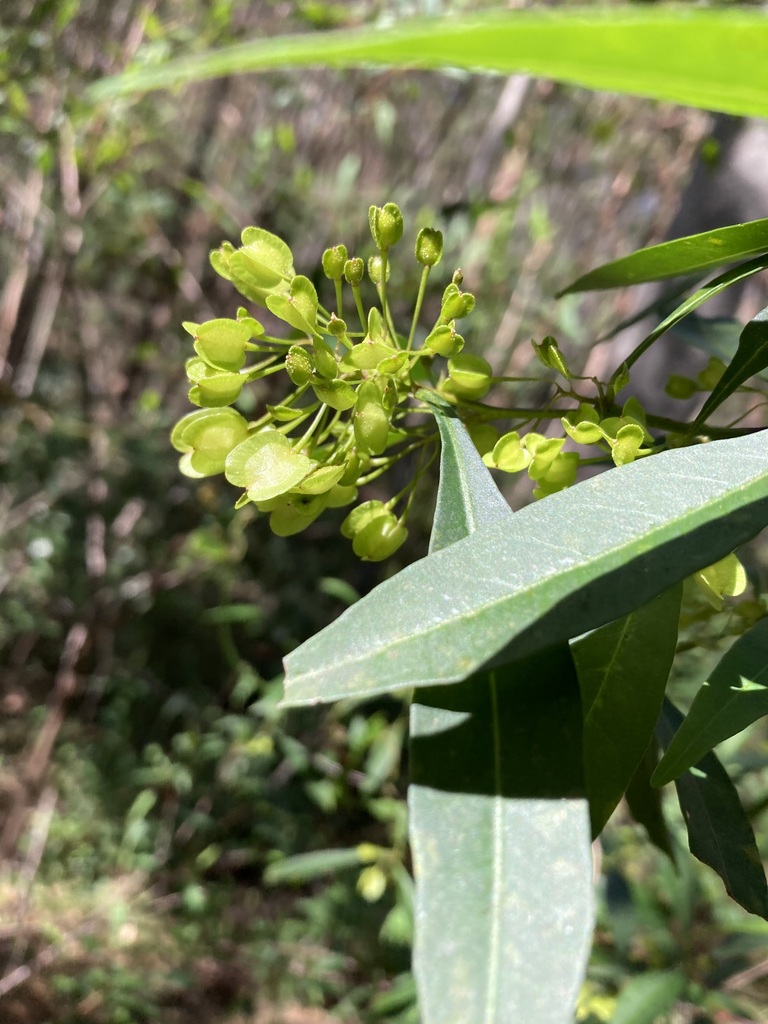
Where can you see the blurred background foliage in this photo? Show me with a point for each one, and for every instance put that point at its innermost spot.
(174, 847)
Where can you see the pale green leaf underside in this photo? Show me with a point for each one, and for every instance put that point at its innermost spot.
(468, 497)
(540, 906)
(735, 695)
(554, 570)
(710, 59)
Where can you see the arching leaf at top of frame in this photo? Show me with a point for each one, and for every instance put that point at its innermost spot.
(713, 59)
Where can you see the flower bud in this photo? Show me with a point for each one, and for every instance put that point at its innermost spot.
(374, 270)
(549, 355)
(333, 262)
(354, 270)
(429, 247)
(372, 883)
(386, 224)
(336, 326)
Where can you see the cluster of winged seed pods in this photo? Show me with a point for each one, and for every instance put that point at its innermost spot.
(346, 420)
(354, 379)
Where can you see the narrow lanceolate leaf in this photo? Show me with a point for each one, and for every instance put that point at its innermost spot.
(719, 832)
(702, 295)
(734, 696)
(623, 669)
(306, 867)
(706, 58)
(645, 999)
(503, 873)
(681, 256)
(751, 357)
(570, 563)
(645, 803)
(503, 866)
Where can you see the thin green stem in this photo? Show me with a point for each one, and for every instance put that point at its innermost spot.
(715, 433)
(381, 291)
(339, 298)
(417, 307)
(312, 427)
(359, 307)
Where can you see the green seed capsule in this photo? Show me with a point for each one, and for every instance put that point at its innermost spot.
(470, 375)
(370, 419)
(379, 538)
(333, 262)
(361, 515)
(354, 270)
(386, 224)
(299, 365)
(444, 341)
(429, 247)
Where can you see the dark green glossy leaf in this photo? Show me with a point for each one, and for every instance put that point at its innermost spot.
(645, 999)
(681, 256)
(623, 669)
(734, 696)
(491, 760)
(708, 58)
(751, 357)
(645, 803)
(719, 832)
(548, 573)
